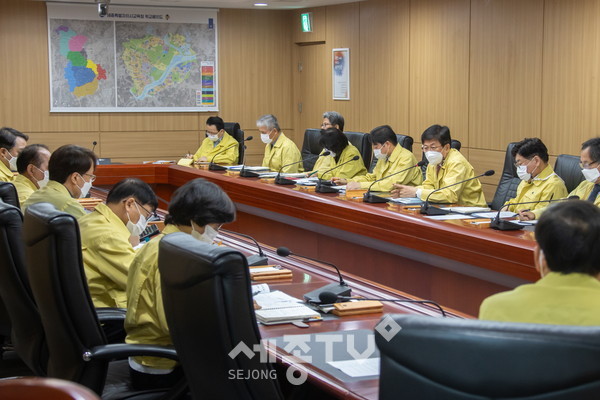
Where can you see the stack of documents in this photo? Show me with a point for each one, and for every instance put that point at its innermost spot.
(269, 273)
(279, 308)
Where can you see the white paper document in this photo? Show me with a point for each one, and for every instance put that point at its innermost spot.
(449, 216)
(492, 214)
(358, 368)
(407, 200)
(466, 210)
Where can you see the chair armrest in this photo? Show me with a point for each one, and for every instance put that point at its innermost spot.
(107, 314)
(120, 351)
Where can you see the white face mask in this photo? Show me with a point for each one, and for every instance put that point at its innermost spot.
(378, 154)
(85, 189)
(213, 138)
(265, 137)
(434, 157)
(12, 162)
(522, 173)
(44, 181)
(208, 236)
(331, 153)
(591, 175)
(137, 228)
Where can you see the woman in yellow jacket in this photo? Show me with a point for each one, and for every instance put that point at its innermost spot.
(341, 152)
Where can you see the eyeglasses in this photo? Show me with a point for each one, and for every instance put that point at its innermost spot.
(521, 163)
(431, 148)
(211, 133)
(149, 214)
(325, 125)
(587, 165)
(92, 177)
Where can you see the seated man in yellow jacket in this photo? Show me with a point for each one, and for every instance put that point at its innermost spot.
(280, 151)
(341, 153)
(446, 167)
(391, 159)
(538, 179)
(566, 256)
(71, 171)
(218, 146)
(12, 142)
(108, 235)
(32, 166)
(198, 208)
(331, 119)
(589, 189)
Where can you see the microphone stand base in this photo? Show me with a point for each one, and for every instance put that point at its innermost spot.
(503, 225)
(216, 167)
(369, 197)
(284, 181)
(335, 288)
(248, 174)
(429, 210)
(257, 259)
(326, 189)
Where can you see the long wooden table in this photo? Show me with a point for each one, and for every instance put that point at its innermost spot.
(455, 265)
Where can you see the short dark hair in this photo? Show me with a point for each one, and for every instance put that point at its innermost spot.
(132, 187)
(529, 148)
(30, 155)
(8, 137)
(568, 233)
(594, 146)
(200, 201)
(334, 140)
(335, 118)
(68, 159)
(382, 134)
(437, 132)
(216, 121)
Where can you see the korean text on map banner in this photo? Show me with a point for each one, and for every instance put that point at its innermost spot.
(134, 59)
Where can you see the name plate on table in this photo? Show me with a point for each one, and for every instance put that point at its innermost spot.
(270, 273)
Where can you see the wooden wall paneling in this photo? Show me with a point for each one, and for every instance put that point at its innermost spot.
(439, 66)
(505, 72)
(384, 64)
(55, 140)
(319, 15)
(255, 150)
(571, 83)
(314, 87)
(342, 32)
(152, 121)
(148, 145)
(255, 62)
(483, 160)
(25, 93)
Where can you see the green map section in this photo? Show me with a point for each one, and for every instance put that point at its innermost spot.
(156, 63)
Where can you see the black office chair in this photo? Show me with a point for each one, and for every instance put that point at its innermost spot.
(567, 167)
(454, 144)
(452, 359)
(216, 279)
(362, 141)
(509, 180)
(403, 141)
(78, 348)
(8, 194)
(311, 147)
(233, 128)
(28, 337)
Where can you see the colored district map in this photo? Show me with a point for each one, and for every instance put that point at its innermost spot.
(156, 63)
(83, 75)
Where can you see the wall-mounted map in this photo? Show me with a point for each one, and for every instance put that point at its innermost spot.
(132, 60)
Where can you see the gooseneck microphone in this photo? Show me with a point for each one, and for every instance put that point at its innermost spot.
(505, 225)
(338, 289)
(216, 167)
(254, 259)
(324, 188)
(330, 298)
(243, 172)
(369, 197)
(429, 210)
(284, 181)
(94, 143)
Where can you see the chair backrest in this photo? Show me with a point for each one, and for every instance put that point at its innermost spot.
(362, 141)
(44, 388)
(454, 144)
(27, 332)
(567, 167)
(444, 358)
(403, 141)
(509, 180)
(310, 147)
(216, 279)
(233, 128)
(8, 194)
(58, 282)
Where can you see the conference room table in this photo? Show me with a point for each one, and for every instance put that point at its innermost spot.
(451, 262)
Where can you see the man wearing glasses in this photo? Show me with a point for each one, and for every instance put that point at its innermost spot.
(71, 172)
(446, 167)
(218, 144)
(538, 179)
(589, 189)
(108, 235)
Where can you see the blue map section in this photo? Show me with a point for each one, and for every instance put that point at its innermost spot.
(78, 76)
